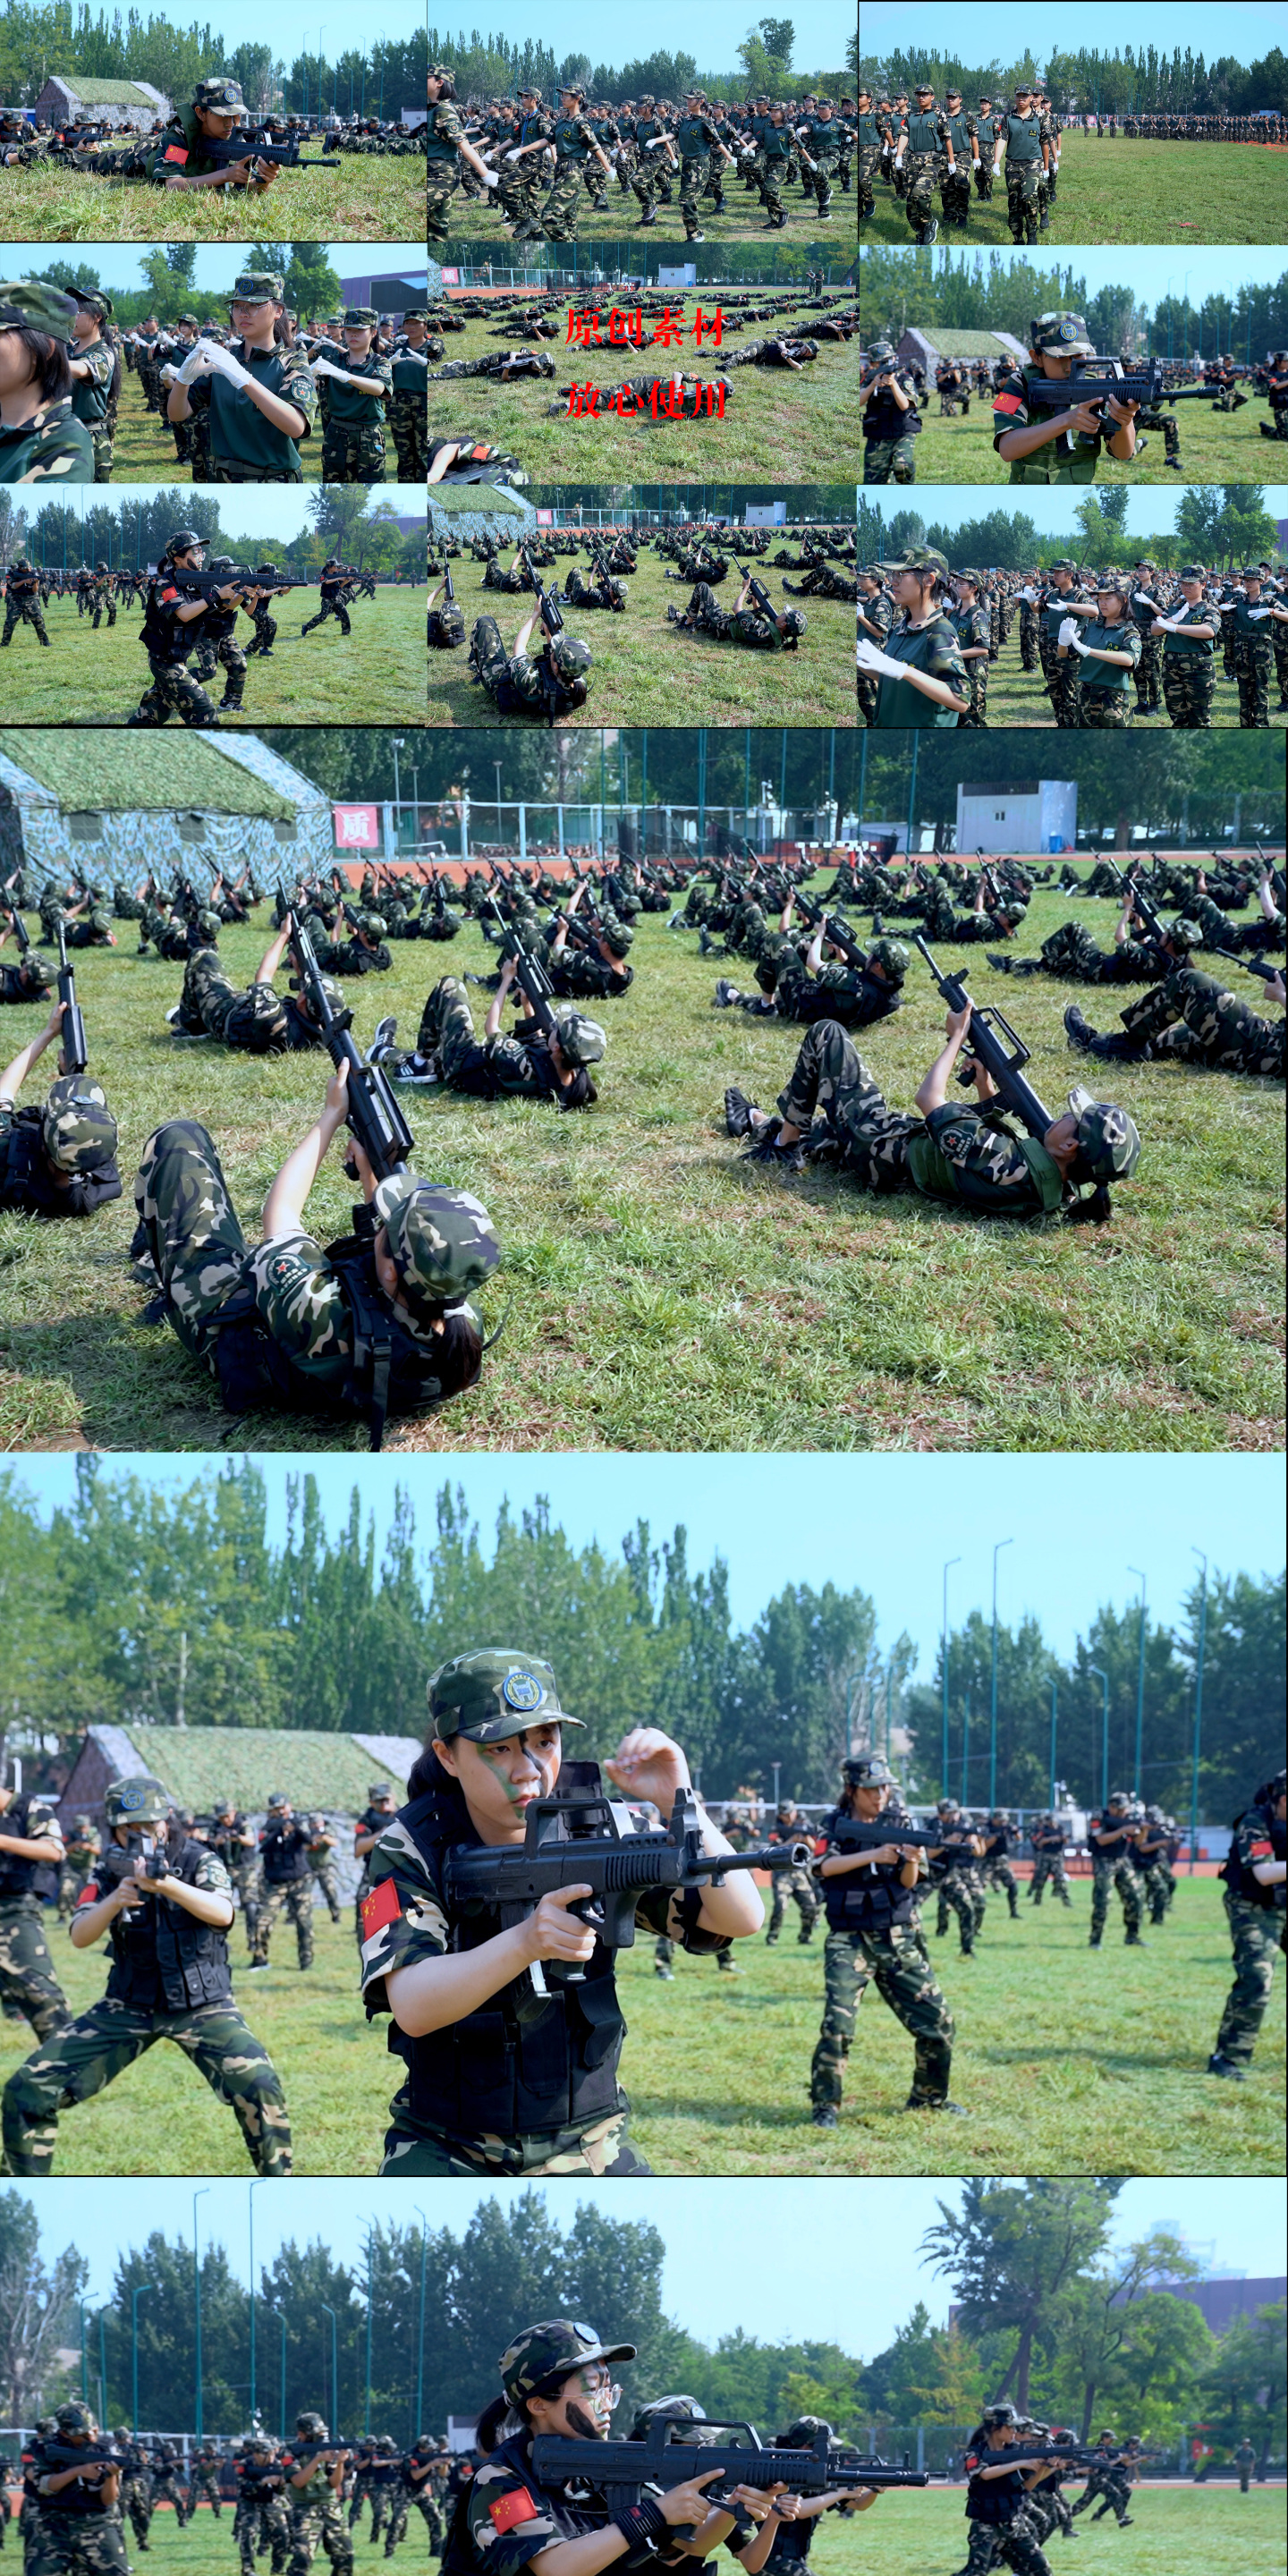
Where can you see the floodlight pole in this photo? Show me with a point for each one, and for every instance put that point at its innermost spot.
(992, 1745)
(1198, 1714)
(1103, 1679)
(1140, 1683)
(943, 1668)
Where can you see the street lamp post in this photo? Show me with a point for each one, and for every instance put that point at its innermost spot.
(196, 2293)
(1054, 1711)
(366, 2410)
(1198, 1715)
(395, 744)
(1103, 1679)
(135, 2296)
(102, 2363)
(1140, 1684)
(943, 1668)
(992, 1738)
(335, 2376)
(251, 2218)
(280, 2314)
(420, 2330)
(965, 1744)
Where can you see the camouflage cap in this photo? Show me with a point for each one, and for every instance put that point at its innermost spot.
(1064, 565)
(794, 621)
(187, 322)
(1185, 933)
(312, 2425)
(617, 935)
(218, 92)
(670, 2410)
(38, 969)
(440, 1241)
(891, 954)
(361, 317)
(493, 1694)
(1061, 335)
(380, 1789)
(372, 924)
(416, 313)
(1192, 572)
(140, 1800)
(569, 656)
(93, 300)
(1109, 1139)
(32, 304)
(208, 923)
(544, 2355)
(277, 1798)
(867, 1771)
(918, 559)
(581, 1041)
(78, 1128)
(74, 2418)
(258, 286)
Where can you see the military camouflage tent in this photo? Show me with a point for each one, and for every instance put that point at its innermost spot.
(122, 803)
(127, 106)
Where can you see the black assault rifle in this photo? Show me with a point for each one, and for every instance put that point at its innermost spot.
(984, 1039)
(1142, 904)
(239, 147)
(373, 1115)
(620, 2470)
(529, 974)
(583, 1835)
(72, 1033)
(1093, 380)
(758, 592)
(1250, 965)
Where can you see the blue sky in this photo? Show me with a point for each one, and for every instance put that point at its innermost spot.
(886, 1523)
(708, 2227)
(996, 33)
(262, 510)
(1151, 510)
(1151, 273)
(292, 27)
(120, 270)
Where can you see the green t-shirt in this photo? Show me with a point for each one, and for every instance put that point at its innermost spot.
(89, 393)
(1059, 603)
(344, 402)
(1193, 648)
(52, 446)
(1123, 638)
(240, 436)
(933, 648)
(1022, 136)
(1254, 626)
(443, 131)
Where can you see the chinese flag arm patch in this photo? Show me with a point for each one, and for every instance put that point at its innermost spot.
(89, 1893)
(176, 152)
(509, 2509)
(1007, 402)
(1261, 1851)
(381, 1907)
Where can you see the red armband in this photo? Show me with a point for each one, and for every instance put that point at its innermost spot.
(509, 2509)
(381, 1907)
(1008, 403)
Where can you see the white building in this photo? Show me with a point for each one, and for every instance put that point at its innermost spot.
(1037, 816)
(129, 107)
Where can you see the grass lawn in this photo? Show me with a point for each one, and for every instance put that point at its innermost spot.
(1017, 697)
(1190, 2530)
(775, 424)
(478, 220)
(375, 677)
(1128, 191)
(365, 200)
(143, 449)
(1073, 2062)
(668, 1295)
(640, 660)
(205, 2547)
(1216, 447)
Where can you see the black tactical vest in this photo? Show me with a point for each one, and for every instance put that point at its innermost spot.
(1240, 1879)
(17, 1876)
(163, 1959)
(870, 1900)
(390, 1370)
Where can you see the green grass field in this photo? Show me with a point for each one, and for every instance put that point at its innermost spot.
(668, 1295)
(478, 220)
(1017, 697)
(1216, 447)
(776, 425)
(643, 667)
(143, 448)
(373, 677)
(1129, 191)
(366, 200)
(1065, 2061)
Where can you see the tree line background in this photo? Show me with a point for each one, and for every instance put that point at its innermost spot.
(1198, 787)
(311, 284)
(1221, 525)
(1142, 78)
(359, 521)
(39, 43)
(992, 291)
(327, 1631)
(1046, 2311)
(496, 66)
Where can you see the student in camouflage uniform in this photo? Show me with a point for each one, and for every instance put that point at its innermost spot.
(1254, 1874)
(322, 1863)
(58, 1161)
(1048, 1839)
(1108, 1835)
(422, 2471)
(549, 2101)
(1020, 136)
(995, 1868)
(79, 2528)
(874, 1935)
(313, 2468)
(1252, 621)
(970, 623)
(409, 404)
(167, 2468)
(78, 1860)
(255, 400)
(284, 1858)
(203, 2479)
(923, 152)
(955, 1877)
(698, 141)
(40, 438)
(1108, 648)
(745, 623)
(376, 1817)
(519, 184)
(167, 1921)
(499, 1065)
(1193, 1019)
(135, 2496)
(1002, 2529)
(22, 599)
(1110, 2481)
(574, 139)
(93, 366)
(261, 2520)
(171, 613)
(1189, 656)
(444, 142)
(1058, 447)
(30, 1840)
(353, 400)
(1149, 1857)
(789, 1826)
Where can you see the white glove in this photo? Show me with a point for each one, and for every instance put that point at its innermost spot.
(490, 178)
(197, 363)
(997, 169)
(975, 162)
(1258, 612)
(325, 367)
(1076, 644)
(1031, 596)
(1068, 631)
(1141, 599)
(169, 375)
(223, 363)
(869, 659)
(898, 160)
(516, 155)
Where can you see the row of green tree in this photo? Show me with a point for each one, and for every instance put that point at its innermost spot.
(1177, 788)
(57, 40)
(1087, 80)
(991, 291)
(354, 519)
(136, 1582)
(1221, 525)
(311, 285)
(657, 767)
(498, 66)
(1047, 2310)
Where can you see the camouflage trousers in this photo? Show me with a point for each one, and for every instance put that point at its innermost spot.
(19, 612)
(70, 1882)
(1189, 686)
(422, 2155)
(258, 2528)
(1191, 1017)
(1149, 672)
(1107, 1872)
(248, 1881)
(86, 2544)
(352, 455)
(27, 1979)
(518, 193)
(204, 2482)
(174, 692)
(695, 175)
(890, 460)
(326, 1879)
(961, 1889)
(926, 171)
(799, 1885)
(1048, 2510)
(99, 2045)
(1252, 676)
(976, 715)
(99, 606)
(869, 165)
(818, 181)
(1063, 680)
(1157, 1891)
(999, 1875)
(408, 422)
(381, 2501)
(1113, 2491)
(188, 1226)
(329, 608)
(1049, 1865)
(1103, 710)
(101, 441)
(429, 2506)
(210, 654)
(832, 1092)
(294, 1898)
(135, 2499)
(1257, 1932)
(1022, 199)
(557, 216)
(1013, 2544)
(317, 2522)
(899, 1964)
(438, 198)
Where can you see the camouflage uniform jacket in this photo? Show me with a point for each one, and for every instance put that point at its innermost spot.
(508, 2519)
(965, 1155)
(52, 446)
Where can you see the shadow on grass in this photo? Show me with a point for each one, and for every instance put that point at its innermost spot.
(102, 1361)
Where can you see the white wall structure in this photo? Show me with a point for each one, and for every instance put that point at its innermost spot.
(1027, 814)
